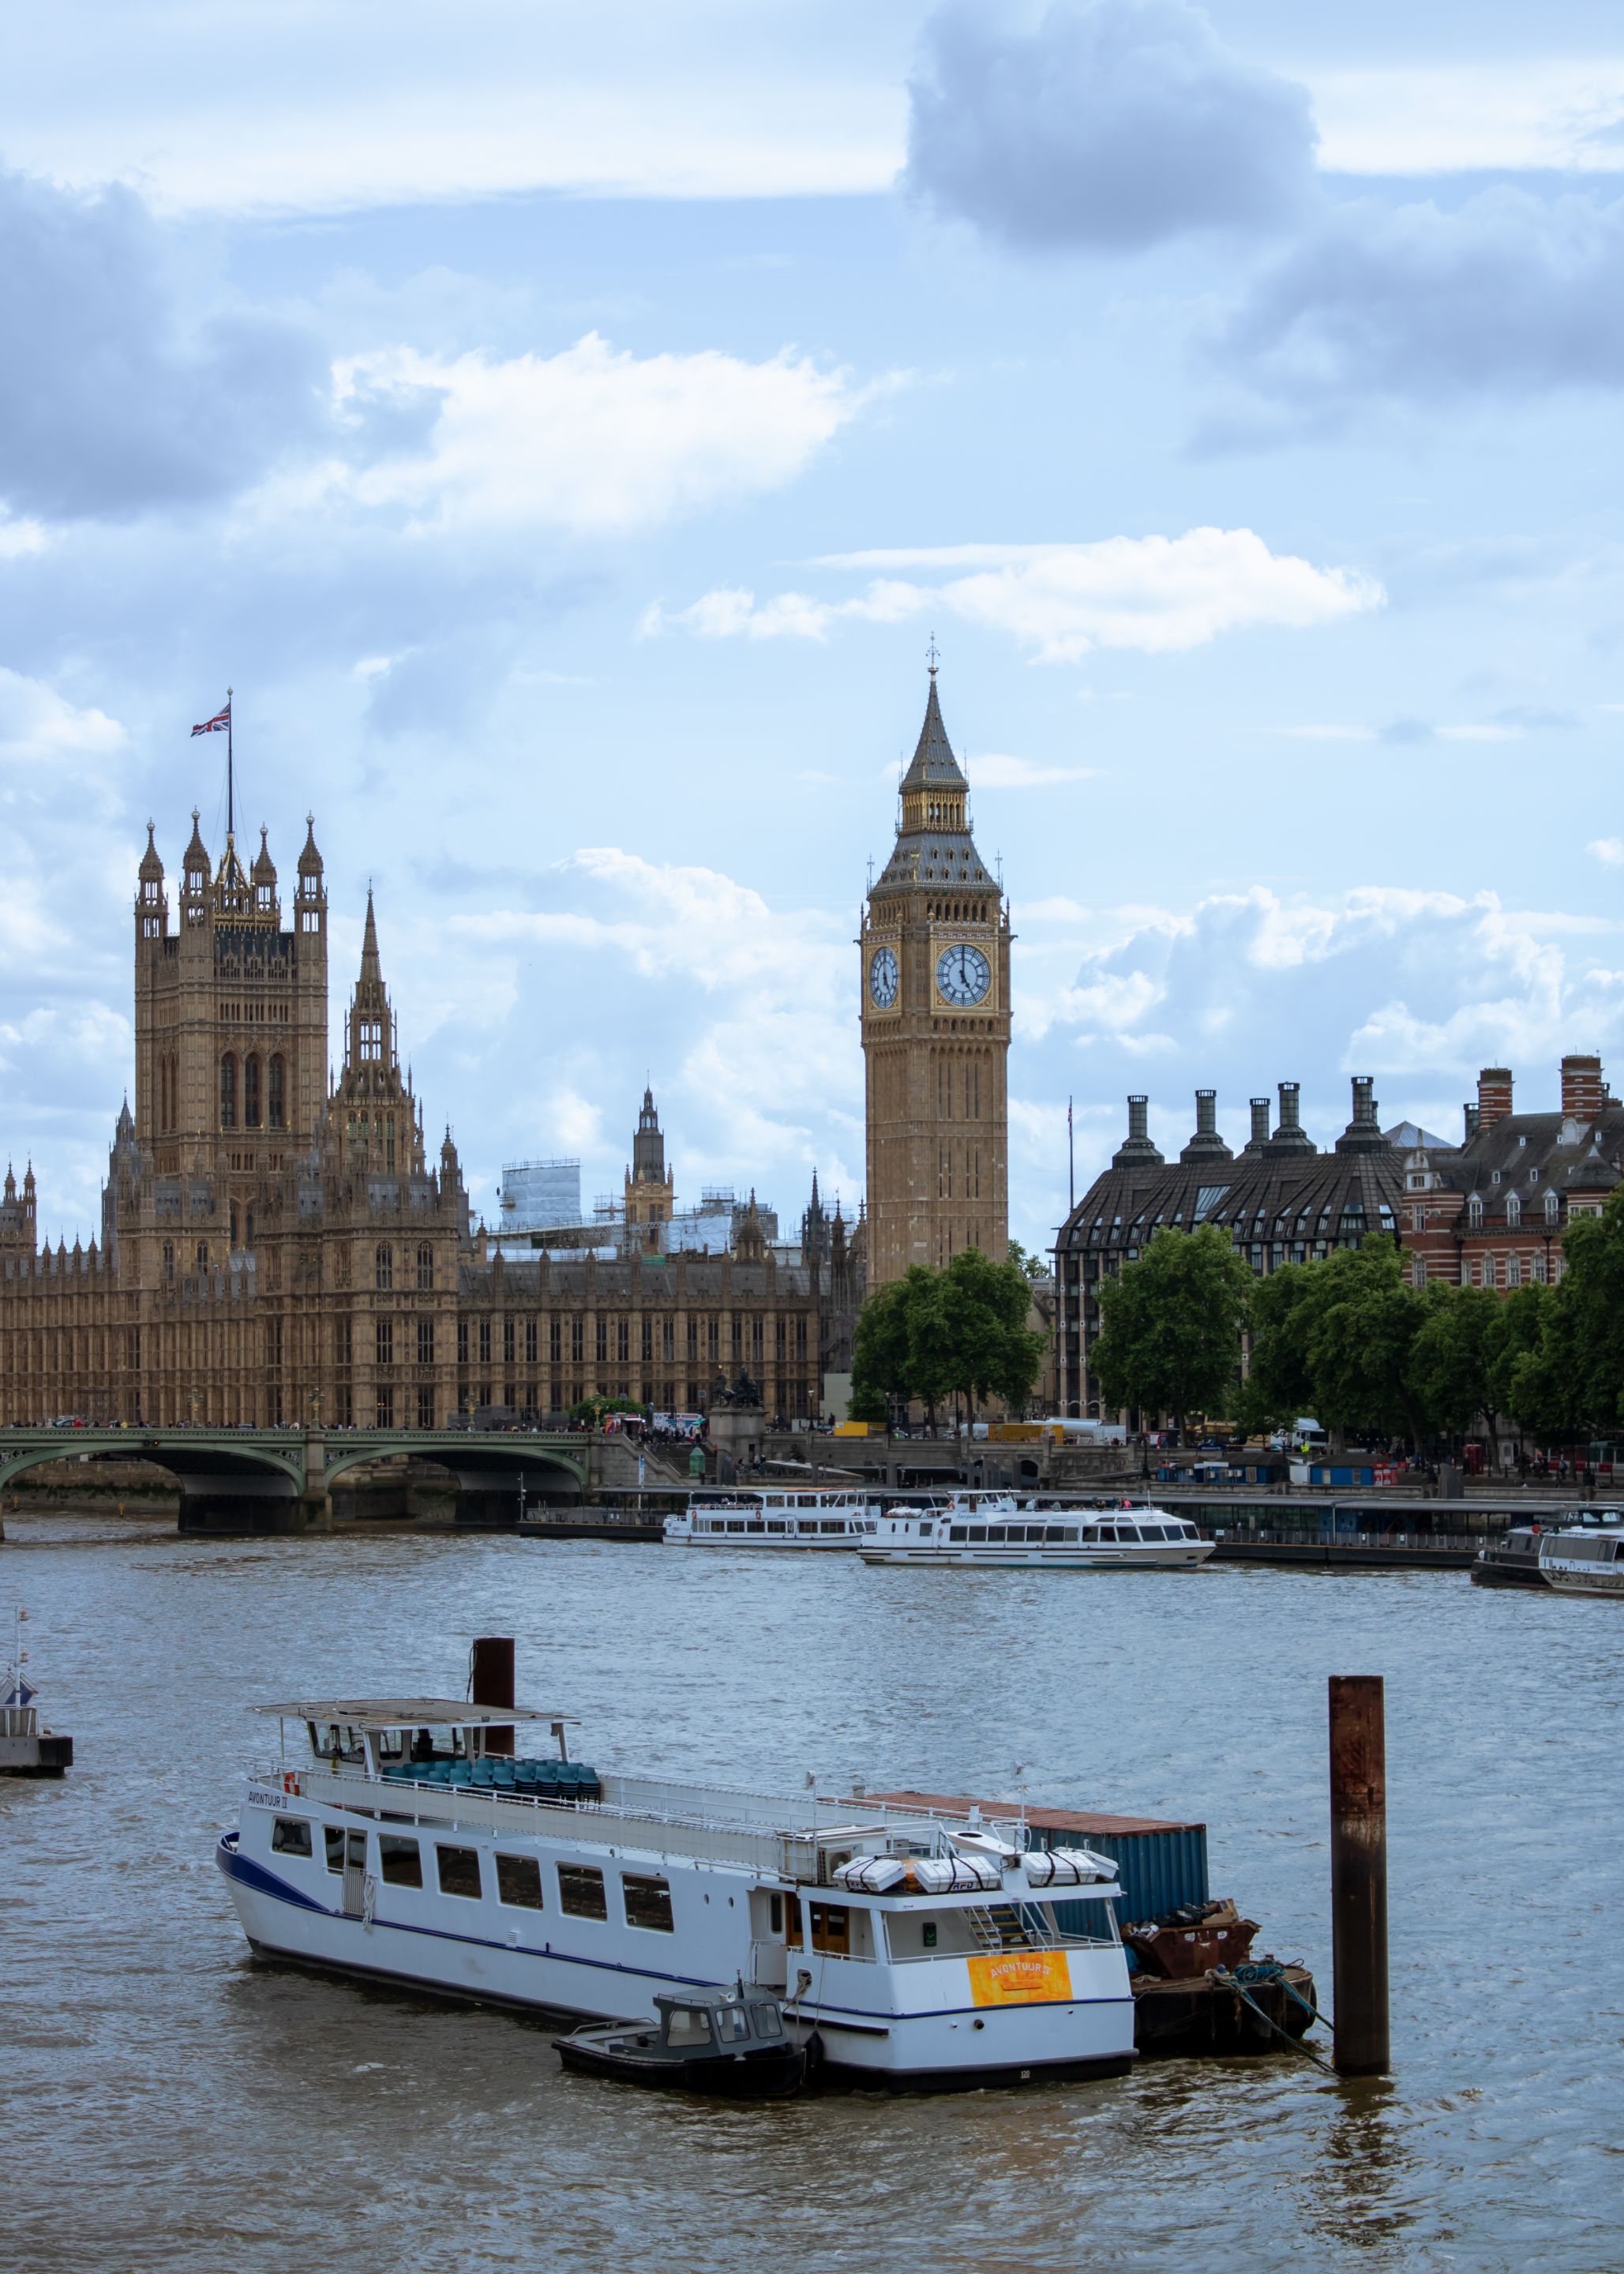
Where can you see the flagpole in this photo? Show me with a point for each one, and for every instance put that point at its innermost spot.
(1071, 1162)
(230, 782)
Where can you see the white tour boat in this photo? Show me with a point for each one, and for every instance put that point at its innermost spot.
(995, 1528)
(1586, 1560)
(907, 1949)
(774, 1516)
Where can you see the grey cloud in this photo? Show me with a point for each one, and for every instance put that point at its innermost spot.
(1107, 123)
(1508, 294)
(1405, 730)
(114, 395)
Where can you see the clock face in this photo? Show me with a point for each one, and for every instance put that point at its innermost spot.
(883, 977)
(963, 974)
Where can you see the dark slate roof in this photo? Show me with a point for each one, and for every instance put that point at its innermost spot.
(933, 765)
(1530, 1155)
(1268, 1197)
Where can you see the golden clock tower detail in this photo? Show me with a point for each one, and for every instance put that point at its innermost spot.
(936, 1028)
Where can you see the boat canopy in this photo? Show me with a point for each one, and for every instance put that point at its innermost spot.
(385, 1714)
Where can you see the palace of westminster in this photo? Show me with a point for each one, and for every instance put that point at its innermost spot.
(278, 1249)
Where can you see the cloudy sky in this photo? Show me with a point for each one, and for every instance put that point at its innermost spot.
(564, 423)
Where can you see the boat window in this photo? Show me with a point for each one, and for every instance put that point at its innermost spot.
(736, 1523)
(733, 2024)
(581, 1891)
(927, 1933)
(648, 1901)
(956, 1532)
(400, 1860)
(997, 1531)
(804, 1526)
(518, 1881)
(1067, 1532)
(978, 1534)
(459, 1872)
(776, 1524)
(334, 1839)
(831, 1928)
(766, 2021)
(924, 1532)
(688, 2025)
(774, 1914)
(290, 1836)
(834, 1524)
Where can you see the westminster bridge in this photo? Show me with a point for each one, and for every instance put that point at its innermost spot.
(239, 1480)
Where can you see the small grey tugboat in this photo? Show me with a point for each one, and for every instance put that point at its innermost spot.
(1512, 1561)
(731, 2042)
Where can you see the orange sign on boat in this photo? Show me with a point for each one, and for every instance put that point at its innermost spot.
(1020, 1978)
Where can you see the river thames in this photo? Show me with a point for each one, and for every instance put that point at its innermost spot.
(168, 2104)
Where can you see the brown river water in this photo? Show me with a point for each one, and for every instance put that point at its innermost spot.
(168, 2104)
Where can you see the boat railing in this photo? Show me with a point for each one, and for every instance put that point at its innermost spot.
(796, 1839)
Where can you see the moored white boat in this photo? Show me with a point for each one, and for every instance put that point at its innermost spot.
(1587, 1559)
(916, 1953)
(995, 1529)
(774, 1516)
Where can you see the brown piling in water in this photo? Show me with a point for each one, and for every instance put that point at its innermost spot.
(1359, 1873)
(490, 1671)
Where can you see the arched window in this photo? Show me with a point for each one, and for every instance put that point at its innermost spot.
(383, 1270)
(250, 1092)
(227, 1092)
(1488, 1270)
(1514, 1211)
(1473, 1212)
(276, 1107)
(1553, 1207)
(425, 1270)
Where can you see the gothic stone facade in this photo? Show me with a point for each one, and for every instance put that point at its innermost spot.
(275, 1251)
(936, 1028)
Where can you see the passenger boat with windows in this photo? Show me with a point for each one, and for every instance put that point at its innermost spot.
(773, 1516)
(988, 1528)
(1586, 1559)
(1511, 1561)
(409, 1844)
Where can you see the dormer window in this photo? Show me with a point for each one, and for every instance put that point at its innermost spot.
(1514, 1211)
(1553, 1207)
(1474, 1213)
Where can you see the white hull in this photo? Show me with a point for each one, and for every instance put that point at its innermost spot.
(1035, 1559)
(1593, 1579)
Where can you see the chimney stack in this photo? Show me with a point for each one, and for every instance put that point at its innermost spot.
(1290, 1137)
(1137, 1147)
(1363, 1133)
(1469, 1115)
(1493, 1096)
(1206, 1144)
(1585, 1092)
(1259, 1124)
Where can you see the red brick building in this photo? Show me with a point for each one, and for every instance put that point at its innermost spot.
(1491, 1212)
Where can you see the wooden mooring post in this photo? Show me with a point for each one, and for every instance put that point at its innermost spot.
(1359, 1873)
(490, 1683)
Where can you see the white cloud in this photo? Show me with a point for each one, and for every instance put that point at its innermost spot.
(594, 439)
(992, 770)
(1608, 850)
(1157, 594)
(18, 538)
(40, 729)
(1528, 111)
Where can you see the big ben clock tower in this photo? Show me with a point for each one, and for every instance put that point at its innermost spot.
(936, 1028)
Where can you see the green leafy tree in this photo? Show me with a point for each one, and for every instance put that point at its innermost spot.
(1570, 1383)
(934, 1334)
(1278, 1389)
(1362, 1323)
(1025, 1260)
(1453, 1373)
(1170, 1339)
(592, 1410)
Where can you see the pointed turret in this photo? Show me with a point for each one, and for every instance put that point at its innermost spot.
(813, 1228)
(934, 842)
(194, 874)
(372, 970)
(262, 876)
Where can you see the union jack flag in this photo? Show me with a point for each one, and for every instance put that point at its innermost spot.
(220, 724)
